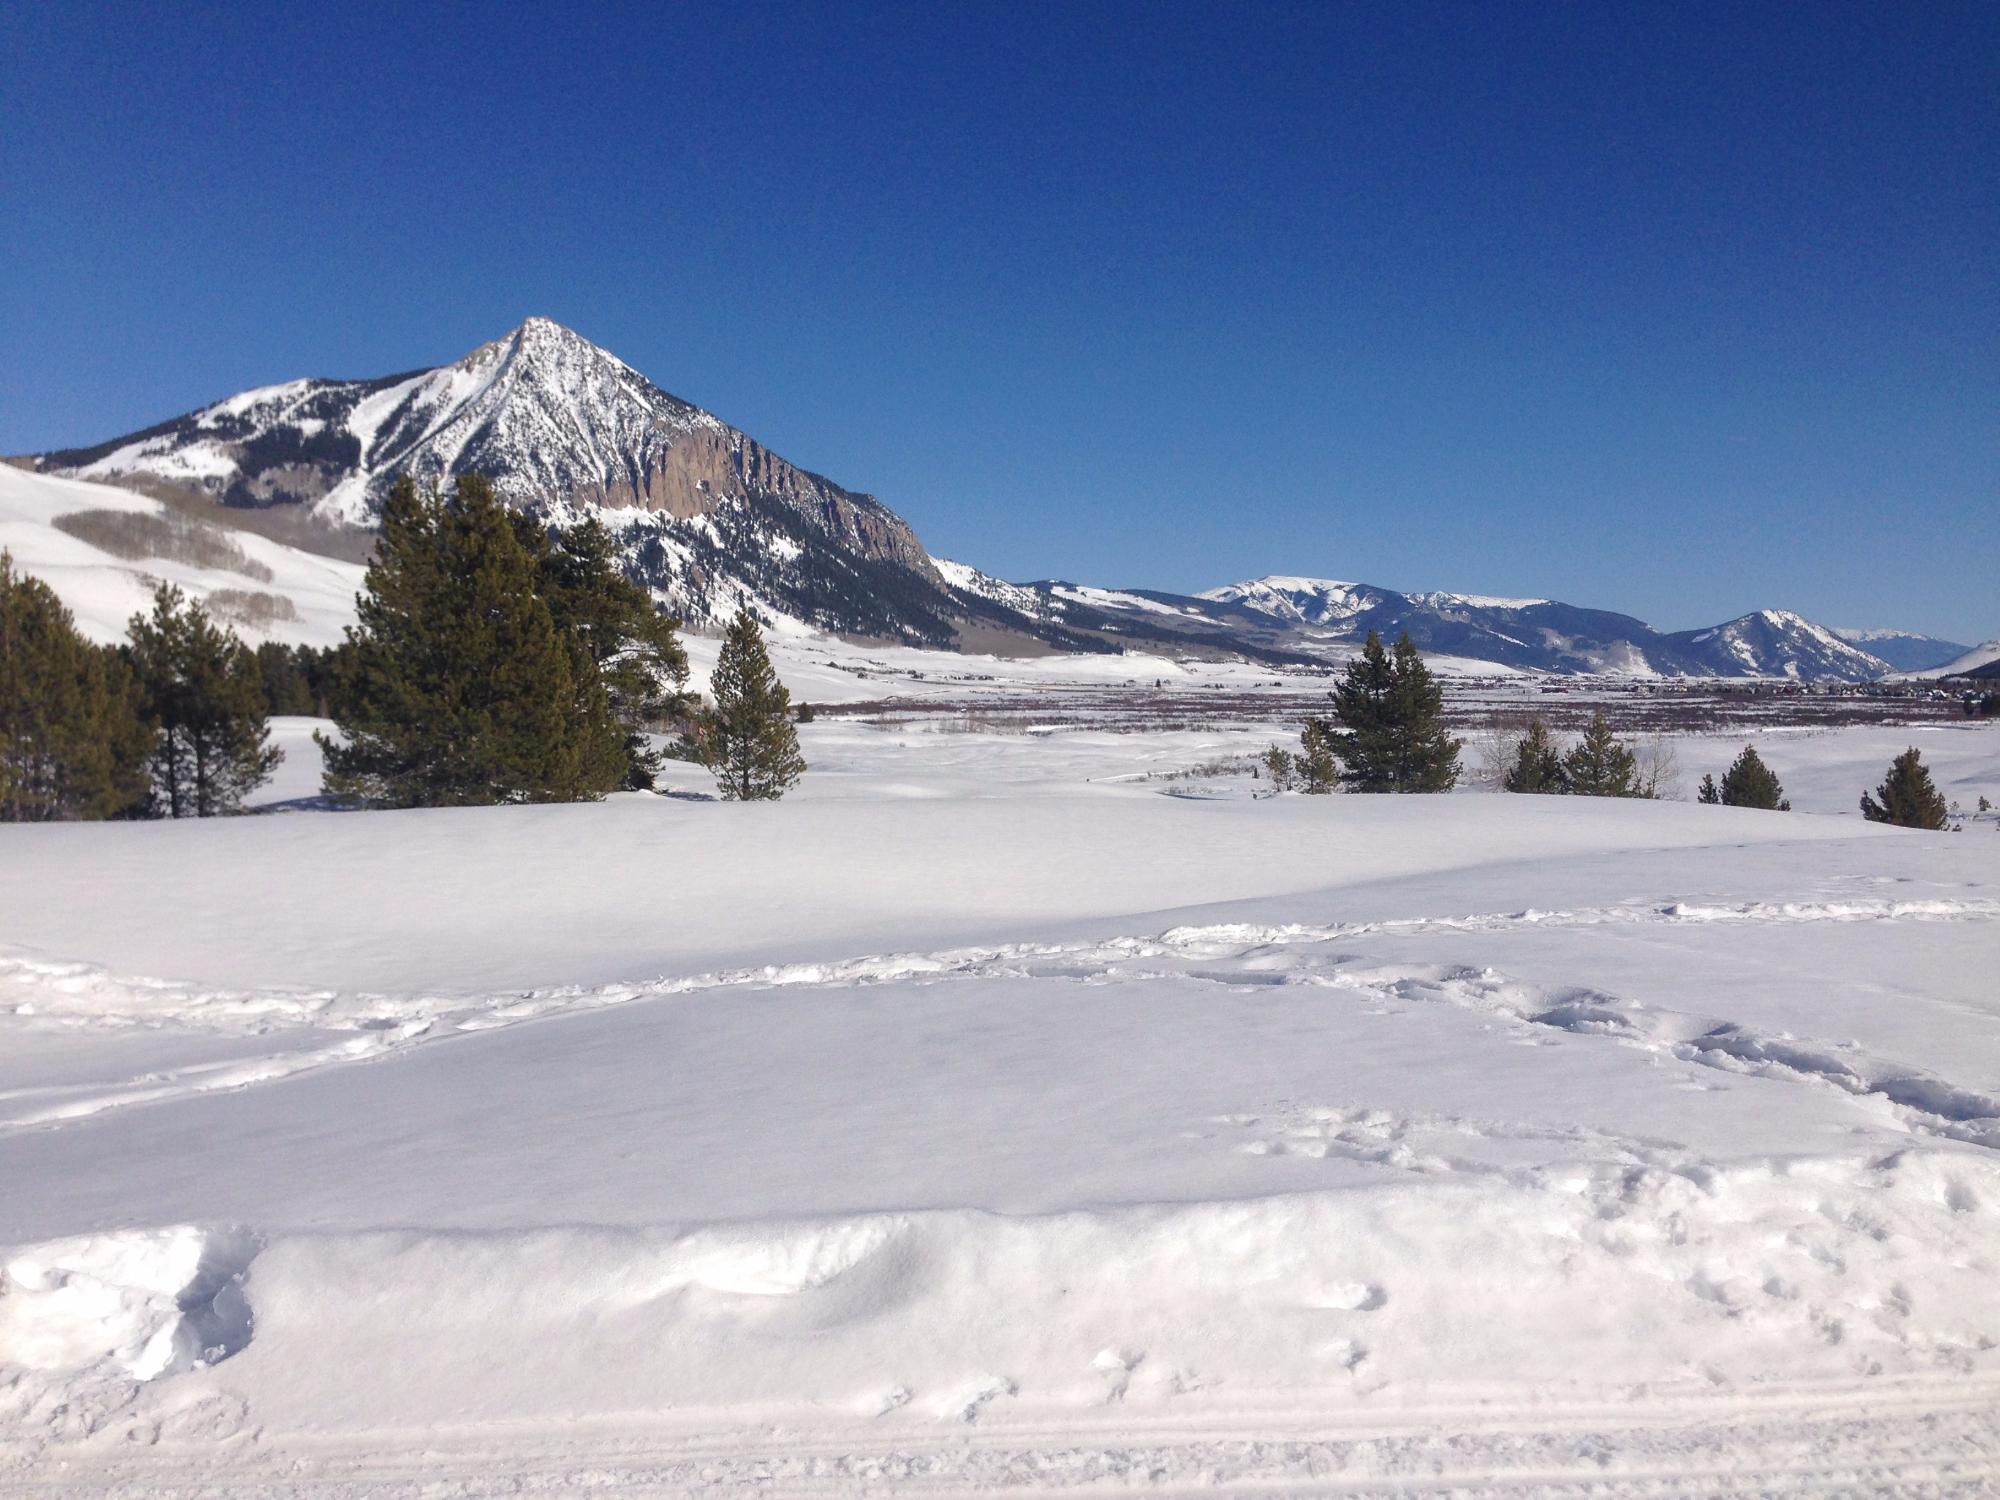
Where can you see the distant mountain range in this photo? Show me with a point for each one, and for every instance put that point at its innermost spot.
(709, 518)
(1905, 650)
(1318, 617)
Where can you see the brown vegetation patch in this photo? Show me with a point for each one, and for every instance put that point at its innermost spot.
(171, 535)
(249, 607)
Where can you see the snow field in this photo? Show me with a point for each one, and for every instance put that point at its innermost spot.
(1234, 1174)
(983, 1118)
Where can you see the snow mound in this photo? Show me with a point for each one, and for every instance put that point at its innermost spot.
(145, 1302)
(86, 1322)
(1683, 1276)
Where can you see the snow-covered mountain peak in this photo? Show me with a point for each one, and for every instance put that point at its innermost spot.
(1779, 643)
(1477, 601)
(1306, 601)
(564, 429)
(542, 345)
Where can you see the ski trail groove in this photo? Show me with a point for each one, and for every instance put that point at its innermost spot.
(38, 992)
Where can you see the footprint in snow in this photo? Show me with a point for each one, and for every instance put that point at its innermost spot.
(897, 1397)
(1118, 1365)
(1353, 1296)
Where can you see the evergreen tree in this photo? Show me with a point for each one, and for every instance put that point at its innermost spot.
(1282, 766)
(201, 690)
(1708, 792)
(1429, 761)
(1317, 769)
(1750, 783)
(1599, 766)
(1907, 797)
(617, 634)
(71, 743)
(456, 688)
(747, 739)
(1365, 742)
(1537, 768)
(1391, 716)
(297, 679)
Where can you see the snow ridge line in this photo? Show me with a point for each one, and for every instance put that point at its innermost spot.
(1878, 1271)
(40, 992)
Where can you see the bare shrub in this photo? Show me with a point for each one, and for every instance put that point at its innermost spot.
(1494, 746)
(172, 535)
(1659, 767)
(249, 607)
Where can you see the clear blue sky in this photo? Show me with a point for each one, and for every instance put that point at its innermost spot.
(1676, 309)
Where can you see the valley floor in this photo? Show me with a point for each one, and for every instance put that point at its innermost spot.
(1025, 1112)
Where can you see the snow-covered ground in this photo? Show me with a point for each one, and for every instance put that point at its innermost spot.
(1009, 1110)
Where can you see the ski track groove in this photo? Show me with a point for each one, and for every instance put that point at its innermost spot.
(1926, 1440)
(39, 992)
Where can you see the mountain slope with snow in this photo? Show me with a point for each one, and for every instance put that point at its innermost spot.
(706, 515)
(104, 550)
(1973, 660)
(1778, 643)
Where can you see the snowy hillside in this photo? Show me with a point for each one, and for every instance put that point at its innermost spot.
(1778, 643)
(104, 550)
(1971, 661)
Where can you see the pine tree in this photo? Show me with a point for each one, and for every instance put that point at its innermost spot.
(1282, 767)
(748, 740)
(1537, 768)
(201, 690)
(71, 743)
(1750, 783)
(1708, 792)
(617, 634)
(1429, 761)
(1391, 716)
(296, 678)
(1599, 766)
(1317, 769)
(456, 688)
(1907, 796)
(1365, 742)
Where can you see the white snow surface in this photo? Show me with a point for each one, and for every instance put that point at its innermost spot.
(982, 1118)
(103, 591)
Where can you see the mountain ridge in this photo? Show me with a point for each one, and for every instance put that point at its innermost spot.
(709, 519)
